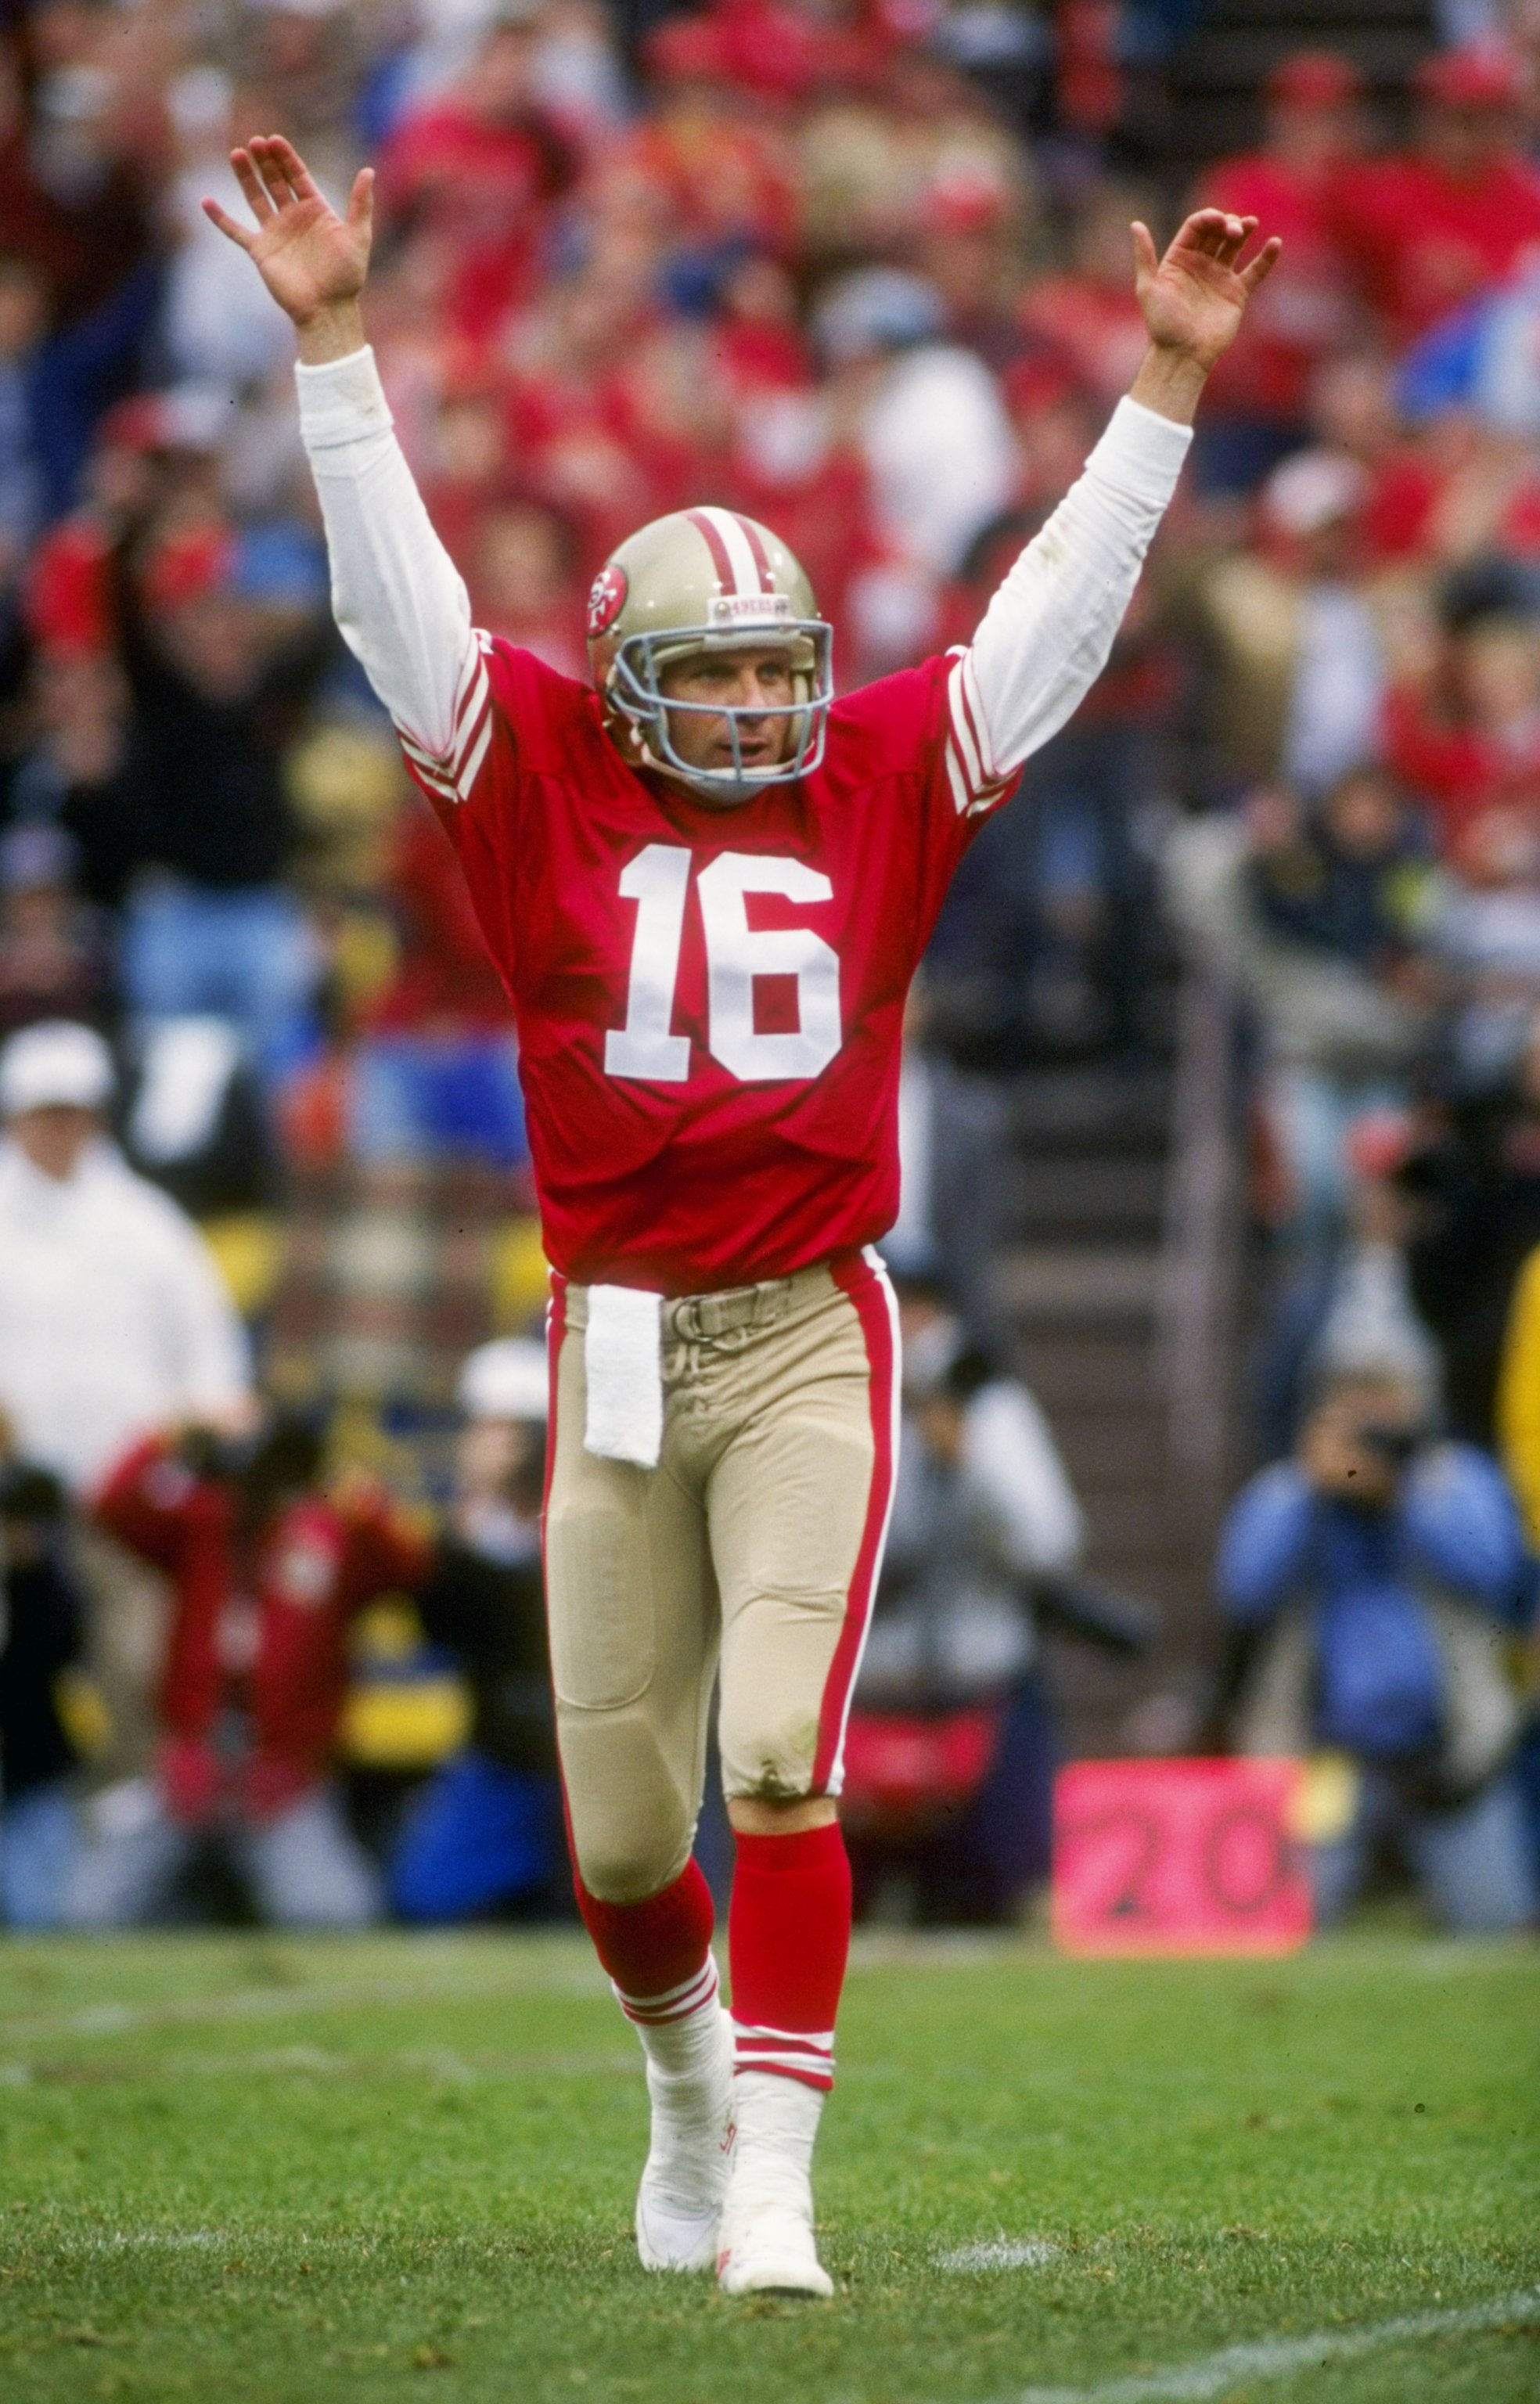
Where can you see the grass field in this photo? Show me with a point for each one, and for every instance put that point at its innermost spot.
(239, 2167)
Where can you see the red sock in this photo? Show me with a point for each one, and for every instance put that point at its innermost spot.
(658, 1952)
(788, 1935)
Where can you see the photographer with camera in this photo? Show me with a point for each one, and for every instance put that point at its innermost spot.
(952, 1742)
(267, 1571)
(485, 1835)
(1373, 1585)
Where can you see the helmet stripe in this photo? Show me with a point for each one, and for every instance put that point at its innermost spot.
(750, 533)
(701, 520)
(741, 575)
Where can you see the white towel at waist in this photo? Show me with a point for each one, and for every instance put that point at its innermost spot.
(623, 1363)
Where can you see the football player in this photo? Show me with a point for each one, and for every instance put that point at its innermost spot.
(707, 883)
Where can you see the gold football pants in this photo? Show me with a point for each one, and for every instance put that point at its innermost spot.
(754, 1543)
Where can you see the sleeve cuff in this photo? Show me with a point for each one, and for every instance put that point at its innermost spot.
(344, 400)
(1142, 451)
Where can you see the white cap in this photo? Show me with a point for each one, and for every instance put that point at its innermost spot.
(1312, 490)
(506, 1380)
(57, 1064)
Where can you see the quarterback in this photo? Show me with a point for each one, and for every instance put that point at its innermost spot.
(707, 883)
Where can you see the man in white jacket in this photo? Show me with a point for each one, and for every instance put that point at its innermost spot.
(112, 1316)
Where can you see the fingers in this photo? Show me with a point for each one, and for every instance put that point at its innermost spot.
(228, 225)
(286, 162)
(1262, 265)
(251, 184)
(360, 204)
(1146, 257)
(1217, 233)
(272, 174)
(277, 163)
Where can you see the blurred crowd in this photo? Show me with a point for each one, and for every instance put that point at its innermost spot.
(268, 1262)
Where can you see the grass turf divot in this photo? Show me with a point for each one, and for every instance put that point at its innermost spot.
(293, 2172)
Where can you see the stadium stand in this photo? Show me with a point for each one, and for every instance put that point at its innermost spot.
(859, 270)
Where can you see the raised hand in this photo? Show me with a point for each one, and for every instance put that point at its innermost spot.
(313, 263)
(1194, 298)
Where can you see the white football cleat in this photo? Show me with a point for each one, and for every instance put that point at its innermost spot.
(766, 2241)
(679, 2203)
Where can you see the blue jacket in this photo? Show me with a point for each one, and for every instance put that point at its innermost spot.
(1380, 1674)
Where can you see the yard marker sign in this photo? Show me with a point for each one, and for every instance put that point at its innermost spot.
(1179, 1857)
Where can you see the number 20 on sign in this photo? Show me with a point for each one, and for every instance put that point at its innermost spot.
(1179, 1857)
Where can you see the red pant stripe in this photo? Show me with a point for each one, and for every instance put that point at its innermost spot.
(866, 1283)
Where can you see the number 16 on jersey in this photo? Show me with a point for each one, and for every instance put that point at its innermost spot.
(657, 880)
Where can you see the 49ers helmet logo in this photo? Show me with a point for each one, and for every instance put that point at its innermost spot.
(606, 599)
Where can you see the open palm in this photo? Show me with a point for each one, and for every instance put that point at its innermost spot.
(309, 257)
(1194, 298)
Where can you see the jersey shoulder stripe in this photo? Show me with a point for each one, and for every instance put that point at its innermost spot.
(976, 782)
(450, 776)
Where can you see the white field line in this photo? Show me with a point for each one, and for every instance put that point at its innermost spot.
(197, 2240)
(1201, 2382)
(276, 2002)
(1000, 2254)
(312, 2061)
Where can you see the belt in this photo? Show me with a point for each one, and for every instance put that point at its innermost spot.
(695, 1318)
(625, 1331)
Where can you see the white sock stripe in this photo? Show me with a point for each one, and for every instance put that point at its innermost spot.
(690, 1992)
(704, 1976)
(824, 2037)
(813, 2069)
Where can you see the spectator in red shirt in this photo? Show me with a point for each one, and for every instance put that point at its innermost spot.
(1467, 735)
(1295, 181)
(1436, 225)
(266, 1574)
(1086, 321)
(480, 168)
(436, 1076)
(707, 148)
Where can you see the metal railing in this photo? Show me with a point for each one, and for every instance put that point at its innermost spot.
(1198, 1318)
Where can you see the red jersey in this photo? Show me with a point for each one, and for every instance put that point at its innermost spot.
(1425, 243)
(710, 1001)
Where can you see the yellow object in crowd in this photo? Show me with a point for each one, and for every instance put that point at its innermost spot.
(1518, 1397)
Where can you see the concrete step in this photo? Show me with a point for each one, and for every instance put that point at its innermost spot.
(1086, 1369)
(1039, 1284)
(1090, 1197)
(1096, 1110)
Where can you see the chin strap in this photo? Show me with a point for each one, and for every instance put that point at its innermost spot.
(647, 758)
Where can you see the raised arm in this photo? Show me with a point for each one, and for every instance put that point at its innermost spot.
(1046, 635)
(397, 597)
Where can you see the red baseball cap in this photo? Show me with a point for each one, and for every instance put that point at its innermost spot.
(1480, 76)
(1314, 79)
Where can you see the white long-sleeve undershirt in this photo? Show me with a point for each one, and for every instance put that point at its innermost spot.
(404, 613)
